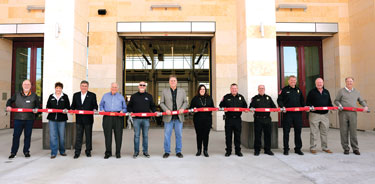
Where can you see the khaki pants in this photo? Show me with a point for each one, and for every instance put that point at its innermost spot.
(319, 123)
(348, 126)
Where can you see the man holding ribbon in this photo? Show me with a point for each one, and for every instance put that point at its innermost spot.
(233, 119)
(262, 121)
(291, 96)
(319, 122)
(348, 97)
(141, 102)
(113, 102)
(173, 99)
(84, 100)
(23, 120)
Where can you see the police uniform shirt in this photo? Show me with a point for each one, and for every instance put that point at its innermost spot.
(233, 101)
(290, 97)
(262, 101)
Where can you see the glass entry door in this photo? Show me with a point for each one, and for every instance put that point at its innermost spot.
(28, 64)
(302, 59)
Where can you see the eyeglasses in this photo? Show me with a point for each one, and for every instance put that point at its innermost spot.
(142, 85)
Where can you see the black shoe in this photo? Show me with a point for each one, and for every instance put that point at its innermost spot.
(256, 153)
(179, 155)
(27, 155)
(346, 152)
(88, 154)
(118, 156)
(76, 156)
(199, 152)
(286, 152)
(107, 156)
(166, 155)
(227, 154)
(205, 153)
(299, 152)
(63, 154)
(239, 154)
(135, 155)
(53, 156)
(356, 152)
(269, 153)
(12, 155)
(146, 155)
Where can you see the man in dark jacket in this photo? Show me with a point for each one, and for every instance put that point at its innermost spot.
(233, 120)
(262, 121)
(84, 100)
(291, 96)
(319, 122)
(141, 102)
(23, 120)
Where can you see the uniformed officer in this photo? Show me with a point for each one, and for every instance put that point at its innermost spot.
(262, 121)
(233, 120)
(291, 96)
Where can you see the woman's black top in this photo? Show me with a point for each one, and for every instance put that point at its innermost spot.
(199, 102)
(62, 103)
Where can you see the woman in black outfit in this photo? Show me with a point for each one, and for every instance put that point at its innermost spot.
(57, 121)
(202, 120)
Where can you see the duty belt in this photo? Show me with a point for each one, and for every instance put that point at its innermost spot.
(261, 117)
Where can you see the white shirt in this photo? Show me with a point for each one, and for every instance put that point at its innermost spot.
(83, 96)
(347, 89)
(54, 95)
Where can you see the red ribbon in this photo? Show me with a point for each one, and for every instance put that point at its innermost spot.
(203, 109)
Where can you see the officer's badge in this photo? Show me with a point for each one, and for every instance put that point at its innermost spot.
(228, 99)
(240, 98)
(267, 98)
(258, 100)
(146, 98)
(297, 90)
(288, 92)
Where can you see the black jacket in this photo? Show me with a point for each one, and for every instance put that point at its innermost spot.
(89, 103)
(314, 98)
(290, 97)
(20, 100)
(259, 101)
(199, 102)
(141, 102)
(63, 103)
(233, 101)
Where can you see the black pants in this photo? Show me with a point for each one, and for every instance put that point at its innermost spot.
(295, 119)
(19, 126)
(202, 129)
(262, 124)
(233, 126)
(116, 124)
(80, 128)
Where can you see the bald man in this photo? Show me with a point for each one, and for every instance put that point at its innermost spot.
(23, 121)
(319, 122)
(113, 102)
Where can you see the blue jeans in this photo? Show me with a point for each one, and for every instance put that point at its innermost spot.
(139, 124)
(168, 127)
(56, 136)
(19, 126)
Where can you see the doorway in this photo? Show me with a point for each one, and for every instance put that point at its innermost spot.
(27, 63)
(302, 59)
(154, 59)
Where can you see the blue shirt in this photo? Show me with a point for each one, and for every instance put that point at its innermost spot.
(113, 103)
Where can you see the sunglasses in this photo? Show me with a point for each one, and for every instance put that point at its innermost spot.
(143, 85)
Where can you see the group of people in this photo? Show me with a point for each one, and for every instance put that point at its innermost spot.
(175, 99)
